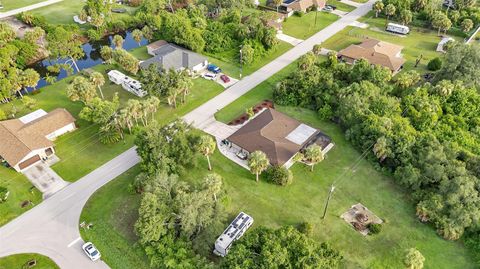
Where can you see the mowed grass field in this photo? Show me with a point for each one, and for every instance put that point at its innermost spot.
(14, 4)
(420, 42)
(19, 260)
(113, 209)
(303, 27)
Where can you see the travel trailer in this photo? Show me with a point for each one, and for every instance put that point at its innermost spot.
(233, 232)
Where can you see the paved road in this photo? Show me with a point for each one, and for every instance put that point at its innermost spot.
(51, 228)
(203, 118)
(27, 8)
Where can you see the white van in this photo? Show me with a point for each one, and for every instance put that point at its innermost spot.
(398, 28)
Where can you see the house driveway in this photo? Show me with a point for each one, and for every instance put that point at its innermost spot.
(45, 179)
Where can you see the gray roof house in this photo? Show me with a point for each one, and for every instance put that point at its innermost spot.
(167, 56)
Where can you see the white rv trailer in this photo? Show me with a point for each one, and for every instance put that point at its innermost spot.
(398, 28)
(127, 83)
(116, 77)
(133, 86)
(233, 232)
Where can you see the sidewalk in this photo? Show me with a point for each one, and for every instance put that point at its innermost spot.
(289, 39)
(27, 8)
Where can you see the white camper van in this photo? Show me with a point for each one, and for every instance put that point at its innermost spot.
(233, 232)
(127, 83)
(398, 28)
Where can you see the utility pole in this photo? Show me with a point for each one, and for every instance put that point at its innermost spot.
(332, 188)
(241, 62)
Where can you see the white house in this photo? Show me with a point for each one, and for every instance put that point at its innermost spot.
(28, 140)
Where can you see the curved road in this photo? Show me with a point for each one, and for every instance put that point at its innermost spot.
(51, 228)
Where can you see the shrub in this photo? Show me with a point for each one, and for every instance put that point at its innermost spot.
(279, 175)
(435, 64)
(3, 194)
(374, 228)
(94, 34)
(306, 228)
(3, 115)
(298, 13)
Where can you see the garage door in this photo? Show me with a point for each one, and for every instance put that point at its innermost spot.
(29, 162)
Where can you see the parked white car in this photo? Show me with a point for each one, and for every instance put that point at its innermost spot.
(209, 76)
(91, 251)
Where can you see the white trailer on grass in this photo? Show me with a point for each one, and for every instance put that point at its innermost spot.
(127, 83)
(233, 232)
(398, 28)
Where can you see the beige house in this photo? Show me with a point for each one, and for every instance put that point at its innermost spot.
(290, 6)
(375, 52)
(28, 140)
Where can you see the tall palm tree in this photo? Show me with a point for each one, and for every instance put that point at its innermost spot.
(98, 80)
(184, 84)
(258, 162)
(137, 36)
(213, 184)
(134, 108)
(30, 78)
(207, 146)
(118, 41)
(125, 120)
(153, 103)
(313, 155)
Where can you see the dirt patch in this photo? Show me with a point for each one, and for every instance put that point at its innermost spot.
(360, 217)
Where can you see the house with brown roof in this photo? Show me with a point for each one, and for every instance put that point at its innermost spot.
(28, 140)
(290, 6)
(278, 136)
(375, 52)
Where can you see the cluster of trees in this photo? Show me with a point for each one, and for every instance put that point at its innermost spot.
(14, 55)
(282, 248)
(173, 214)
(464, 17)
(111, 118)
(426, 135)
(120, 56)
(200, 28)
(166, 84)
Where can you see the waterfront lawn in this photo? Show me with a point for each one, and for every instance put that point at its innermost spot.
(303, 201)
(14, 4)
(20, 260)
(20, 190)
(303, 27)
(419, 42)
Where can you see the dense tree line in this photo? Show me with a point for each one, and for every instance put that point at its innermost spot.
(465, 14)
(426, 135)
(199, 28)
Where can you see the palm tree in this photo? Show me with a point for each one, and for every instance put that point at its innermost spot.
(213, 183)
(207, 146)
(313, 155)
(30, 78)
(137, 36)
(98, 80)
(118, 41)
(277, 3)
(390, 11)
(153, 103)
(125, 120)
(380, 149)
(184, 84)
(258, 162)
(378, 7)
(134, 108)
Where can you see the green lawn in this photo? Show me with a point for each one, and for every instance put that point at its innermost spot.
(113, 212)
(341, 6)
(20, 190)
(262, 92)
(14, 4)
(303, 27)
(63, 12)
(113, 209)
(419, 42)
(17, 261)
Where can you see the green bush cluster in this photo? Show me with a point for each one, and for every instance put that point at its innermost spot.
(279, 175)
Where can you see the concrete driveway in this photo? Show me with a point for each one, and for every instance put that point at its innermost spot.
(45, 179)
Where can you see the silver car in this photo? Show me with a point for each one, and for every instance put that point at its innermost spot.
(91, 251)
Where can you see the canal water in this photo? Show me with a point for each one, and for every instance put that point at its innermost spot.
(91, 58)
